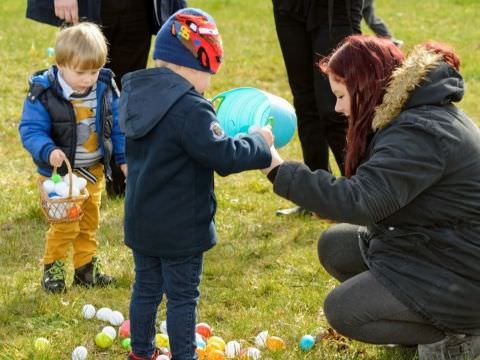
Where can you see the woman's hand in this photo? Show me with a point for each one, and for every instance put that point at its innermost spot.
(276, 160)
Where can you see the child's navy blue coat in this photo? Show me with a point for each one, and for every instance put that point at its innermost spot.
(174, 145)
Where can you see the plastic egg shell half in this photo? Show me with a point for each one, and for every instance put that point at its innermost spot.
(232, 349)
(79, 353)
(48, 186)
(116, 318)
(88, 311)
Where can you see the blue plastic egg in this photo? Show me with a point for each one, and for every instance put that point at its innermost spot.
(307, 342)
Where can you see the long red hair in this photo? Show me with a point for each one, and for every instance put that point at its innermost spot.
(365, 65)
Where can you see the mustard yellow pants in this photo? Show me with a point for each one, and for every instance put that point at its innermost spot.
(81, 234)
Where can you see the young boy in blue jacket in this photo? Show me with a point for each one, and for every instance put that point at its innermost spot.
(174, 144)
(71, 112)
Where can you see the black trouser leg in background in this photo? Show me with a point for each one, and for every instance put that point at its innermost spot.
(375, 23)
(319, 127)
(125, 24)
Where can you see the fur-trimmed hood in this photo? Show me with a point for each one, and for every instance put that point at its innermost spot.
(423, 79)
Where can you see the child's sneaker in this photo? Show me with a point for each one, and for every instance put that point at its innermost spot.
(90, 275)
(54, 277)
(132, 356)
(453, 347)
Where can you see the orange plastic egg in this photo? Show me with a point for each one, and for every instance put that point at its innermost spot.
(275, 343)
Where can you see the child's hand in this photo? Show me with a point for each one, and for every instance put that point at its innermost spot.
(124, 169)
(57, 157)
(266, 133)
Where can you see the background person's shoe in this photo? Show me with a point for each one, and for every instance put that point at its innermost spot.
(297, 211)
(398, 43)
(453, 347)
(53, 279)
(90, 275)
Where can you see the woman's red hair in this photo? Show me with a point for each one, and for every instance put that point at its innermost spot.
(365, 65)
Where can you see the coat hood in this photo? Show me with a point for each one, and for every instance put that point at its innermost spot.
(146, 97)
(423, 79)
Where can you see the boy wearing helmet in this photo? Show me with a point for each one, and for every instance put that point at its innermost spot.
(174, 144)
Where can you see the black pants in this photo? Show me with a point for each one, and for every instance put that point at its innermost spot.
(374, 22)
(126, 25)
(319, 126)
(360, 307)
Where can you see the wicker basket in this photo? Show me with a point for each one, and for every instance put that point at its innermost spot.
(63, 210)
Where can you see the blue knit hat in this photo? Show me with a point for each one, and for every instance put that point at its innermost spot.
(190, 38)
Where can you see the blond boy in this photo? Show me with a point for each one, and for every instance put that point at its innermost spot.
(71, 112)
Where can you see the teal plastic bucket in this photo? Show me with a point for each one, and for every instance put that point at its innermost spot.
(238, 109)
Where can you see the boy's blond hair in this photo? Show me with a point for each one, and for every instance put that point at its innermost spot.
(82, 47)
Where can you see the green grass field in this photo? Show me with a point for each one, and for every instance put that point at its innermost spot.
(264, 273)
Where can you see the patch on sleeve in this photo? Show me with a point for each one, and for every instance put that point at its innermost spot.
(217, 130)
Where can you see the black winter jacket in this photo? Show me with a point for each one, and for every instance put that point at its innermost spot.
(44, 11)
(418, 193)
(174, 144)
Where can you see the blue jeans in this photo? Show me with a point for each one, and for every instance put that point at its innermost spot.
(179, 280)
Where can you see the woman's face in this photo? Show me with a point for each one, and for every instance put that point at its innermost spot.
(339, 89)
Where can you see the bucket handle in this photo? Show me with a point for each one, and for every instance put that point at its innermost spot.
(217, 101)
(270, 121)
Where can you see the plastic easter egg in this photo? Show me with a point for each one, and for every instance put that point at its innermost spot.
(163, 327)
(103, 340)
(110, 331)
(163, 357)
(75, 190)
(79, 353)
(126, 344)
(307, 342)
(66, 178)
(53, 195)
(74, 211)
(88, 311)
(217, 340)
(41, 344)
(56, 178)
(50, 51)
(48, 186)
(215, 355)
(261, 339)
(116, 318)
(165, 351)
(61, 189)
(124, 330)
(200, 342)
(212, 347)
(232, 349)
(274, 343)
(161, 340)
(104, 314)
(204, 329)
(81, 183)
(201, 353)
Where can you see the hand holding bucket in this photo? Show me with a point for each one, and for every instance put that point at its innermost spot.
(241, 108)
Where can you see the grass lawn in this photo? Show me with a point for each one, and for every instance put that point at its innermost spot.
(264, 273)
